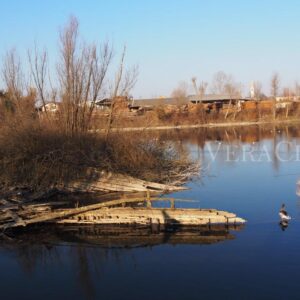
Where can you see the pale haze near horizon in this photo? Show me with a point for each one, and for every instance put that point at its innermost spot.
(171, 41)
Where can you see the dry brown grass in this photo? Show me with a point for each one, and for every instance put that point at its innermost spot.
(39, 154)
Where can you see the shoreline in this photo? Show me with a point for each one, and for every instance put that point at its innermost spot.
(207, 125)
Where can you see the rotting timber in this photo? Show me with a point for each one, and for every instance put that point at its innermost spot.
(128, 212)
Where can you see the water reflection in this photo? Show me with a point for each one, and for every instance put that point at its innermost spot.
(275, 144)
(283, 225)
(235, 134)
(92, 261)
(88, 248)
(112, 236)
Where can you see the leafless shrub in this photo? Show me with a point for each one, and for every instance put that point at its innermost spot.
(13, 75)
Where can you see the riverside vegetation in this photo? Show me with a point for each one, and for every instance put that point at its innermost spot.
(42, 154)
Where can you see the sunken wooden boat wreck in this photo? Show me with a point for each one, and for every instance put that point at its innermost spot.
(125, 212)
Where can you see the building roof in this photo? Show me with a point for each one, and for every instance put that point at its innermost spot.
(158, 102)
(212, 98)
(103, 102)
(173, 101)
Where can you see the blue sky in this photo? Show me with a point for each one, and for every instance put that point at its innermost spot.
(173, 40)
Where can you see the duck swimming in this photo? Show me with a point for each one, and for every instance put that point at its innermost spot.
(283, 214)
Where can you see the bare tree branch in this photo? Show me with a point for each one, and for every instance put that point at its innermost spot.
(13, 75)
(39, 66)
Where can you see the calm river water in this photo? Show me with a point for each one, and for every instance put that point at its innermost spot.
(249, 171)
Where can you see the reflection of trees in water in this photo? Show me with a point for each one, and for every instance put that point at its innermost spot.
(30, 256)
(85, 268)
(233, 139)
(88, 264)
(85, 261)
(275, 159)
(230, 134)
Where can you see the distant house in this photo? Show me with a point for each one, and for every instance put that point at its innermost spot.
(121, 103)
(285, 101)
(49, 107)
(104, 104)
(151, 103)
(148, 104)
(209, 99)
(286, 98)
(213, 98)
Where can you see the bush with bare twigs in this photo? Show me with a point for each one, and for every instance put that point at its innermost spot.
(41, 156)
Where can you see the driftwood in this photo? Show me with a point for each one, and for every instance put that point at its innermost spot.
(97, 182)
(120, 183)
(21, 208)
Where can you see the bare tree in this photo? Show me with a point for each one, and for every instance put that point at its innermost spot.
(275, 85)
(124, 81)
(202, 88)
(200, 92)
(13, 75)
(119, 74)
(233, 91)
(257, 90)
(223, 83)
(81, 72)
(38, 62)
(256, 94)
(129, 80)
(194, 82)
(219, 82)
(274, 90)
(180, 93)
